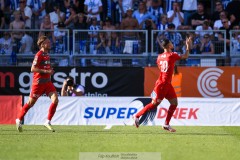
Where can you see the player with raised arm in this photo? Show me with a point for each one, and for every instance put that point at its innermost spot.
(41, 84)
(163, 87)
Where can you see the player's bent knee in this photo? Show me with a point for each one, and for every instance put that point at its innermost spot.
(173, 101)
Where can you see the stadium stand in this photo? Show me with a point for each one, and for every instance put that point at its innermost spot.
(75, 40)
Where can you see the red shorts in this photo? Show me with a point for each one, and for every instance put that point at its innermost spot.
(162, 91)
(39, 89)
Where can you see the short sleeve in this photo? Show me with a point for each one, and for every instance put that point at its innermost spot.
(176, 56)
(36, 60)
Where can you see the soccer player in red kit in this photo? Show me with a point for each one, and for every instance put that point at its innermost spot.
(163, 87)
(41, 84)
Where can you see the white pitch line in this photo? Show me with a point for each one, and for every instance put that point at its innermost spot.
(108, 127)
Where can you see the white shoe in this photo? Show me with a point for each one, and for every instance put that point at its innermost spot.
(136, 121)
(18, 125)
(168, 128)
(49, 126)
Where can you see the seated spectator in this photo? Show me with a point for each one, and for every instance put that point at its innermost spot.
(69, 22)
(26, 13)
(156, 9)
(60, 37)
(115, 48)
(93, 8)
(204, 29)
(168, 4)
(93, 35)
(39, 12)
(47, 25)
(199, 17)
(56, 15)
(196, 44)
(174, 37)
(80, 22)
(163, 23)
(6, 44)
(114, 43)
(226, 27)
(207, 46)
(175, 16)
(102, 43)
(148, 25)
(235, 41)
(16, 36)
(102, 47)
(108, 26)
(142, 14)
(218, 9)
(236, 50)
(218, 23)
(26, 43)
(80, 37)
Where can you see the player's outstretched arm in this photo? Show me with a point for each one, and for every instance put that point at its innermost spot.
(188, 43)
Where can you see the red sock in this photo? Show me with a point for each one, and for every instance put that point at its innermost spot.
(171, 110)
(52, 110)
(24, 110)
(145, 109)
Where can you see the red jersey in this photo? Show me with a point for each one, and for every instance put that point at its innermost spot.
(41, 61)
(165, 62)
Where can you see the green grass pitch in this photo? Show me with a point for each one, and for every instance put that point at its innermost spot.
(188, 143)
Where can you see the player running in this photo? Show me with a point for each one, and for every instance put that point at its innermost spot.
(163, 87)
(41, 84)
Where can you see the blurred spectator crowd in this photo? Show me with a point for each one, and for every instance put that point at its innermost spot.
(96, 15)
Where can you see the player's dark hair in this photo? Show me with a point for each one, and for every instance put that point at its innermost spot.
(165, 42)
(41, 40)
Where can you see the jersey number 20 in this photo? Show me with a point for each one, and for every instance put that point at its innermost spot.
(164, 66)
